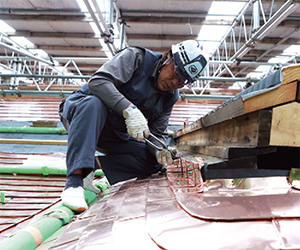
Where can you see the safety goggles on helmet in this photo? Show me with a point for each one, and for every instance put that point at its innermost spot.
(189, 60)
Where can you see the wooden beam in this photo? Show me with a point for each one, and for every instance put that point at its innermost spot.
(286, 125)
(228, 152)
(247, 130)
(226, 112)
(292, 73)
(283, 94)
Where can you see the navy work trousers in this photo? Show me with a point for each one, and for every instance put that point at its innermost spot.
(92, 126)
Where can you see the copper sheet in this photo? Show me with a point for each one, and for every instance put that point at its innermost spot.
(252, 199)
(160, 194)
(288, 229)
(132, 209)
(71, 234)
(134, 233)
(171, 228)
(232, 199)
(97, 235)
(137, 214)
(186, 175)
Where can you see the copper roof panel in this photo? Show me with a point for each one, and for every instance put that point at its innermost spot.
(240, 207)
(288, 230)
(171, 228)
(144, 214)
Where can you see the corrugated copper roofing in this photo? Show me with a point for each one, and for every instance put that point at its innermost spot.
(37, 109)
(27, 195)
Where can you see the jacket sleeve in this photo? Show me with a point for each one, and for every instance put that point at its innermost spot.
(115, 72)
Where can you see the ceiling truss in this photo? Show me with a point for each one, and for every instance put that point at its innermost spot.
(244, 33)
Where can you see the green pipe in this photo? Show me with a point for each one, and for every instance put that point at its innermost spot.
(2, 195)
(44, 170)
(35, 233)
(33, 130)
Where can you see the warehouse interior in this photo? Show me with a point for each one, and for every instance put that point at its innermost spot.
(236, 144)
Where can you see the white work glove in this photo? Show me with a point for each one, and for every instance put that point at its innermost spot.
(136, 123)
(164, 156)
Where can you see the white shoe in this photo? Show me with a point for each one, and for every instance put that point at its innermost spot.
(73, 198)
(88, 183)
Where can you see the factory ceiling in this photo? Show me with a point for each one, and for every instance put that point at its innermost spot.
(246, 40)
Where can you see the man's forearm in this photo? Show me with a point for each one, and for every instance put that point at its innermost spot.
(108, 94)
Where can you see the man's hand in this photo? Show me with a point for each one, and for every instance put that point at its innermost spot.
(164, 156)
(136, 123)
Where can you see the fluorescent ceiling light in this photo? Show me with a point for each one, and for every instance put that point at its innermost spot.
(82, 5)
(21, 40)
(212, 32)
(225, 10)
(5, 27)
(292, 50)
(209, 46)
(279, 59)
(219, 10)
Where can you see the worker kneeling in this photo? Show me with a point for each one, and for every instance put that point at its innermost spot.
(130, 96)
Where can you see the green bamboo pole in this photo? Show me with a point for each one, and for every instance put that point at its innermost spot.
(33, 130)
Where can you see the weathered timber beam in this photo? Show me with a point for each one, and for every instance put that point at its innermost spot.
(228, 152)
(288, 91)
(248, 130)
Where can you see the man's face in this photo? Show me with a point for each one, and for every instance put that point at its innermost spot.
(168, 79)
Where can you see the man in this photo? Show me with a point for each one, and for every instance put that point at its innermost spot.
(127, 98)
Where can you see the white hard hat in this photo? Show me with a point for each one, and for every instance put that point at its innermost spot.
(190, 60)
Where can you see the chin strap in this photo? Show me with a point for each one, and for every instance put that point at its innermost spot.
(163, 59)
